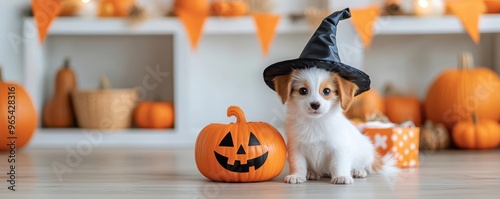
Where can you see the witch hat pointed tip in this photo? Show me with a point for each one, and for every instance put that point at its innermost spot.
(340, 15)
(346, 13)
(323, 43)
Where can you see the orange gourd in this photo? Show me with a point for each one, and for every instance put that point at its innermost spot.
(484, 134)
(458, 92)
(195, 6)
(229, 8)
(58, 111)
(365, 104)
(157, 115)
(18, 115)
(241, 151)
(402, 108)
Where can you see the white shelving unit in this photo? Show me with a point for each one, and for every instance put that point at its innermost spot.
(410, 25)
(192, 80)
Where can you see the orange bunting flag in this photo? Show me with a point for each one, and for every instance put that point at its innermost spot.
(44, 12)
(266, 25)
(468, 12)
(193, 23)
(363, 20)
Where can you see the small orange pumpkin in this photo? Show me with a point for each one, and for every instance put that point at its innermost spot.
(241, 151)
(157, 115)
(196, 6)
(19, 117)
(70, 7)
(402, 108)
(484, 134)
(229, 8)
(365, 104)
(457, 92)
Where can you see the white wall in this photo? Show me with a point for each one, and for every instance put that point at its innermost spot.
(10, 38)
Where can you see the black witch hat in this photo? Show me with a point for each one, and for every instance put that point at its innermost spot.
(321, 51)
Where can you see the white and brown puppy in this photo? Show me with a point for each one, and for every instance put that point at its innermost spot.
(322, 142)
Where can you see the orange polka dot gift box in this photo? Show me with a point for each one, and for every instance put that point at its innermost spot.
(401, 142)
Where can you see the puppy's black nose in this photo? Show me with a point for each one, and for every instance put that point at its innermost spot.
(315, 105)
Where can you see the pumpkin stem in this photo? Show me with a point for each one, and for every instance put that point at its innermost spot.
(66, 62)
(1, 75)
(465, 61)
(104, 83)
(474, 118)
(238, 113)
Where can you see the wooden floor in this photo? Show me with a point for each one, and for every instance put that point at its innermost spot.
(167, 173)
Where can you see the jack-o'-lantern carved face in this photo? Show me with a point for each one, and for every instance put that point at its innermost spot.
(241, 151)
(256, 162)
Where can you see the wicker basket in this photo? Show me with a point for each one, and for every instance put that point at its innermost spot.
(105, 108)
(265, 6)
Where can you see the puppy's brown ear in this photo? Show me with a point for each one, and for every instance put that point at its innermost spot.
(346, 91)
(283, 86)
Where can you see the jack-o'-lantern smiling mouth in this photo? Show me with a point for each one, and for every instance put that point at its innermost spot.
(257, 162)
(241, 168)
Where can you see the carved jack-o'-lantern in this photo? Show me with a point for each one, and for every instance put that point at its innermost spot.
(256, 162)
(241, 151)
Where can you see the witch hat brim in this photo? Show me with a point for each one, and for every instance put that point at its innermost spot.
(321, 52)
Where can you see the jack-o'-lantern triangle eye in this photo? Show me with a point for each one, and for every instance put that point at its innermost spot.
(253, 140)
(227, 140)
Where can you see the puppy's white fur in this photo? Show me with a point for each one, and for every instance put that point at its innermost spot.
(323, 142)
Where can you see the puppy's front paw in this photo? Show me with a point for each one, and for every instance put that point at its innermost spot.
(313, 176)
(294, 179)
(342, 180)
(359, 173)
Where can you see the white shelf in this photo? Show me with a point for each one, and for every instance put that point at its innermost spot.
(392, 25)
(386, 25)
(112, 131)
(167, 25)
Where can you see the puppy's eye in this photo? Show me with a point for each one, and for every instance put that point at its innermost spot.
(326, 91)
(303, 91)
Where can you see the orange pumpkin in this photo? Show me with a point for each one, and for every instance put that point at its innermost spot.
(70, 7)
(229, 8)
(58, 111)
(365, 104)
(402, 108)
(19, 118)
(157, 115)
(492, 6)
(241, 151)
(196, 6)
(458, 92)
(484, 134)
